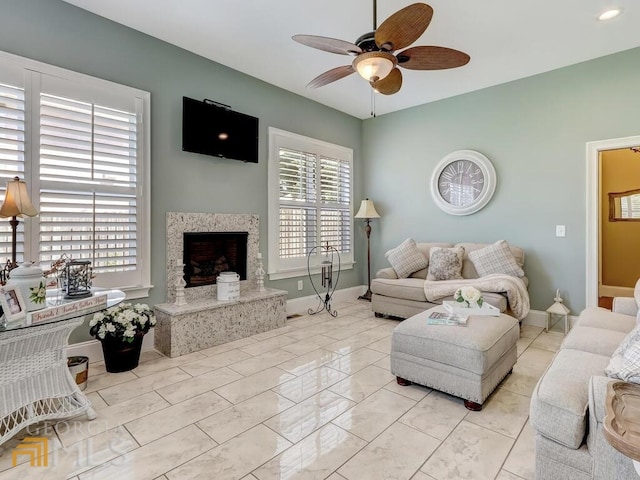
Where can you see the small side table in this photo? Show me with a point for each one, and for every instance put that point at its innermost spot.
(621, 422)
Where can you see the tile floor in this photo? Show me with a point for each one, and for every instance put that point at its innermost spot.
(312, 400)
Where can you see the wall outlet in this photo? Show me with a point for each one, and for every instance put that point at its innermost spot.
(561, 231)
(300, 285)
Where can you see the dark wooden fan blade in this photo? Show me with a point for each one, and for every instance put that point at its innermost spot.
(431, 58)
(390, 84)
(327, 44)
(404, 27)
(331, 76)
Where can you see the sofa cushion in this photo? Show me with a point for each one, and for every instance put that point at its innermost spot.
(603, 318)
(406, 258)
(559, 401)
(425, 248)
(495, 258)
(593, 340)
(469, 270)
(405, 288)
(625, 361)
(445, 263)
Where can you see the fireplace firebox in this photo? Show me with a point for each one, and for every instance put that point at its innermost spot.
(207, 254)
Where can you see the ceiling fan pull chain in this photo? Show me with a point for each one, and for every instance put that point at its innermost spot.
(375, 15)
(373, 103)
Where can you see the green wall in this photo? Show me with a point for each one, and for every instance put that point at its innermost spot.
(535, 132)
(57, 33)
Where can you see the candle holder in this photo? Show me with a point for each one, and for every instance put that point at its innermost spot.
(328, 267)
(180, 284)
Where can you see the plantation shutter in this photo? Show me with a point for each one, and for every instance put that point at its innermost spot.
(88, 180)
(335, 194)
(12, 144)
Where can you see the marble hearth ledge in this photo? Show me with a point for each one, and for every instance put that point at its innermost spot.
(205, 323)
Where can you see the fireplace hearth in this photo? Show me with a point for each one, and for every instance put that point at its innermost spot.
(207, 254)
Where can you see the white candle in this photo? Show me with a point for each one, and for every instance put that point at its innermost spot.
(259, 255)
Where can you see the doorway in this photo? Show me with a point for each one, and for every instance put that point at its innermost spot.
(598, 275)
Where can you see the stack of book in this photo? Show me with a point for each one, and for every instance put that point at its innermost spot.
(446, 318)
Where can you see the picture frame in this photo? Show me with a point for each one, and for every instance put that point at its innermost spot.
(12, 303)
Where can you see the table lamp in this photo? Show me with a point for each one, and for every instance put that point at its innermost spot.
(16, 204)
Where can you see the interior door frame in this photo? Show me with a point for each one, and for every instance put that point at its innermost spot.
(593, 210)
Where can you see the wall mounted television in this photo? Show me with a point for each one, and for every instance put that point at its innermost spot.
(212, 129)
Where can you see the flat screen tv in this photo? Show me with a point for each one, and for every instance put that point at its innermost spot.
(213, 130)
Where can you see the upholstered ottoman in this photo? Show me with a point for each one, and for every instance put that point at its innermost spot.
(468, 362)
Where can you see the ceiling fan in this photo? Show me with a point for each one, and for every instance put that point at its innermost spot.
(374, 51)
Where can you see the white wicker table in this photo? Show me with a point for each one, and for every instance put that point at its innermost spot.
(35, 383)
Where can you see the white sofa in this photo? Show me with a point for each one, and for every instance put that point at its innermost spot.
(567, 406)
(405, 297)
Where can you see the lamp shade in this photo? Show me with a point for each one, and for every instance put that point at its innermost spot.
(367, 210)
(16, 201)
(374, 66)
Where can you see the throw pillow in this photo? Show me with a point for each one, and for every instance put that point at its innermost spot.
(406, 258)
(496, 258)
(445, 263)
(625, 361)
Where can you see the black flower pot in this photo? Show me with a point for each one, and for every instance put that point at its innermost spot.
(121, 356)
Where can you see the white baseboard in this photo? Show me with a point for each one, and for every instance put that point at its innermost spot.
(93, 349)
(302, 304)
(537, 318)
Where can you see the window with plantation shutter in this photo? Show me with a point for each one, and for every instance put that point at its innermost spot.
(87, 169)
(310, 202)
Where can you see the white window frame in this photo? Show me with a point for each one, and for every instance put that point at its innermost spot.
(32, 72)
(278, 268)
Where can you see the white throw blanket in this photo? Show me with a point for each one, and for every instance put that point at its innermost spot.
(514, 287)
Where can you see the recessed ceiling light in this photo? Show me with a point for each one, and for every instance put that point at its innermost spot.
(609, 14)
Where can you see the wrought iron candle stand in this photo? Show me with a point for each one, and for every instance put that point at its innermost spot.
(328, 268)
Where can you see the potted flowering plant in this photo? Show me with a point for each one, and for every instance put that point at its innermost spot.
(120, 330)
(469, 295)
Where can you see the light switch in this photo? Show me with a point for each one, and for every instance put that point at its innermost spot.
(560, 231)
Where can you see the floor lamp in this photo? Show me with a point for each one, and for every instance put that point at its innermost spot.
(367, 211)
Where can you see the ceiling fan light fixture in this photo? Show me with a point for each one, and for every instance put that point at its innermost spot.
(609, 14)
(374, 66)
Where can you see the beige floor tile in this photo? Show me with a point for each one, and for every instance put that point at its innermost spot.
(194, 386)
(149, 355)
(310, 331)
(361, 384)
(235, 458)
(156, 458)
(252, 385)
(355, 342)
(384, 362)
(308, 345)
(470, 452)
(374, 414)
(548, 341)
(355, 361)
(97, 402)
(249, 477)
(106, 380)
(504, 475)
(437, 415)
(72, 431)
(413, 391)
(165, 363)
(261, 362)
(421, 476)
(274, 333)
(134, 388)
(349, 330)
(163, 422)
(214, 362)
(521, 459)
(97, 368)
(225, 347)
(503, 412)
(245, 415)
(535, 358)
(530, 331)
(309, 361)
(313, 458)
(268, 344)
(335, 476)
(522, 380)
(309, 383)
(307, 320)
(307, 416)
(342, 321)
(383, 345)
(523, 343)
(42, 429)
(397, 453)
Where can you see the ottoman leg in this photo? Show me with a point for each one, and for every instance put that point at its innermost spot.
(473, 406)
(378, 314)
(403, 382)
